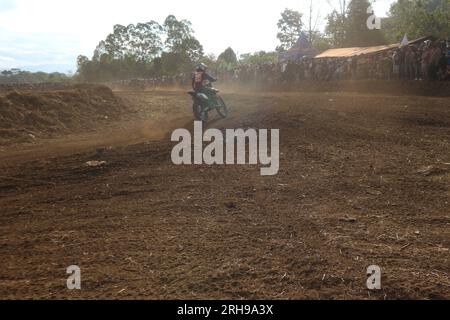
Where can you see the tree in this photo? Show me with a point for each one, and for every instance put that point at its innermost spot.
(321, 42)
(14, 76)
(7, 73)
(347, 26)
(228, 56)
(289, 28)
(227, 60)
(418, 18)
(142, 41)
(173, 63)
(211, 61)
(136, 51)
(335, 28)
(357, 34)
(258, 57)
(312, 23)
(336, 22)
(180, 38)
(145, 41)
(84, 68)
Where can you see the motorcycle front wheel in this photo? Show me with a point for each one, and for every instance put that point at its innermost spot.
(222, 109)
(199, 112)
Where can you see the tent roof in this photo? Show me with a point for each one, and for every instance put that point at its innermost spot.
(297, 54)
(351, 52)
(302, 42)
(302, 48)
(356, 51)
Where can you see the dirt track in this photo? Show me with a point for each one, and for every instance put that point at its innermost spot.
(353, 190)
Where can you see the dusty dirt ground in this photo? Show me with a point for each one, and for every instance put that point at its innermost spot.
(364, 180)
(27, 115)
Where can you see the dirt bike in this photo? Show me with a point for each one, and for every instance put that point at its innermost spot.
(206, 101)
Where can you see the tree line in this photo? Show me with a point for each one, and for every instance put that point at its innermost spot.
(152, 49)
(21, 76)
(346, 26)
(142, 50)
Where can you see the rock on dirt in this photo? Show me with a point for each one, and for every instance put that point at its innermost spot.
(95, 163)
(435, 169)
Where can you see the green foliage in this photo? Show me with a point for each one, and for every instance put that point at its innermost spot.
(173, 63)
(336, 29)
(321, 42)
(137, 51)
(349, 28)
(228, 56)
(151, 49)
(259, 57)
(180, 38)
(418, 18)
(108, 69)
(357, 33)
(289, 28)
(211, 61)
(227, 60)
(141, 41)
(20, 76)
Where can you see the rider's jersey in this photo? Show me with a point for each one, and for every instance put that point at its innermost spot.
(197, 79)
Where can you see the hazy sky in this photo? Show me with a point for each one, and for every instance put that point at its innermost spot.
(48, 35)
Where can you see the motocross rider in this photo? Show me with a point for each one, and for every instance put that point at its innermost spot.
(199, 77)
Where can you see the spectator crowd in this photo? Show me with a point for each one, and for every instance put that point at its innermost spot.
(428, 60)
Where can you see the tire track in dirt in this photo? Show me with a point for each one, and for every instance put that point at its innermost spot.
(347, 196)
(133, 133)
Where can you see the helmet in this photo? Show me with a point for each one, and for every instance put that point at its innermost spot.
(202, 67)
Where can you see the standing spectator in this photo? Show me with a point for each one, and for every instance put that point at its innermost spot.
(387, 66)
(354, 67)
(410, 63)
(396, 64)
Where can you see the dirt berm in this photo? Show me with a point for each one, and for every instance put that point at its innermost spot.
(27, 115)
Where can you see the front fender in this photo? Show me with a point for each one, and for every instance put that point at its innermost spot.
(202, 97)
(198, 96)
